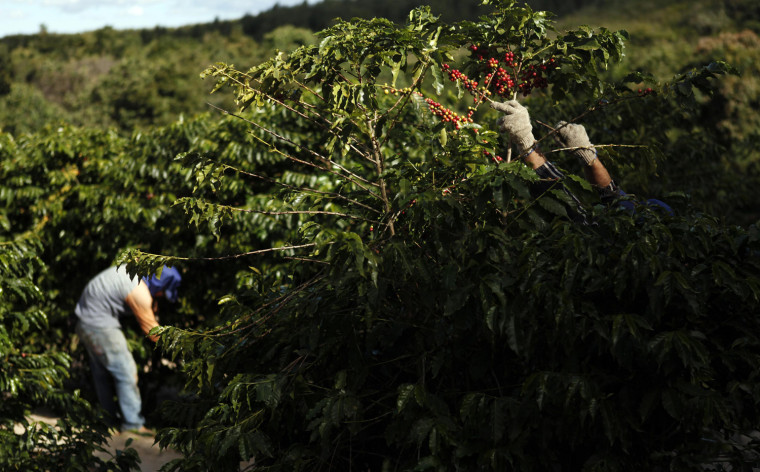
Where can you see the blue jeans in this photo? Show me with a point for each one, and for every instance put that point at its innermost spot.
(113, 365)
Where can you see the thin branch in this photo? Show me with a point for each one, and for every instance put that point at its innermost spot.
(300, 147)
(591, 148)
(406, 99)
(530, 203)
(311, 164)
(307, 106)
(295, 212)
(339, 73)
(235, 256)
(306, 259)
(600, 104)
(279, 302)
(303, 86)
(298, 189)
(380, 165)
(356, 144)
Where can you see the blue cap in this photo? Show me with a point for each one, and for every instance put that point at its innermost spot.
(168, 283)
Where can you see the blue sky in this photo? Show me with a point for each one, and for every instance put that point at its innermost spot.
(76, 16)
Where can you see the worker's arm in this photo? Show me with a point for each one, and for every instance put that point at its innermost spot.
(535, 159)
(140, 302)
(573, 137)
(597, 174)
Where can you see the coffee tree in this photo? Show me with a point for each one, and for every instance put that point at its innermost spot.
(33, 376)
(71, 198)
(422, 307)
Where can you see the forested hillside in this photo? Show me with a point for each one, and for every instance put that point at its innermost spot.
(128, 79)
(366, 285)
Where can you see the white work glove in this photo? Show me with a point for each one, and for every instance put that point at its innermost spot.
(516, 122)
(570, 135)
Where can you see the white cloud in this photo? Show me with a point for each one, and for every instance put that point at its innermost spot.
(77, 6)
(76, 16)
(69, 6)
(136, 10)
(16, 13)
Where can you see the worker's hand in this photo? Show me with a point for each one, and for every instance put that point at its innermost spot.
(571, 135)
(516, 122)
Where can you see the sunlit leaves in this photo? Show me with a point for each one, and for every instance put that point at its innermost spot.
(33, 377)
(701, 79)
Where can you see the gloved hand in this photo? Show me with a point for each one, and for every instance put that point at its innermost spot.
(571, 135)
(516, 122)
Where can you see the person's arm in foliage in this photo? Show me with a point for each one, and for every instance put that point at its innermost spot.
(141, 303)
(574, 138)
(515, 121)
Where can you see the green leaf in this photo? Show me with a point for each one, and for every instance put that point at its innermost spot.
(405, 393)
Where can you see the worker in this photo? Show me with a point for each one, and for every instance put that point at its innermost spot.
(108, 296)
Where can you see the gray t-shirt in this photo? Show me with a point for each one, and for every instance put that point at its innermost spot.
(103, 299)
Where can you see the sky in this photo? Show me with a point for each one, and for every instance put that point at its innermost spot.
(77, 16)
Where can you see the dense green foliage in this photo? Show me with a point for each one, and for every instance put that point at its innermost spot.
(396, 299)
(33, 375)
(93, 193)
(129, 79)
(437, 315)
(74, 198)
(138, 79)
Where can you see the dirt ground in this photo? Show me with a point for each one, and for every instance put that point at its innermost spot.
(151, 456)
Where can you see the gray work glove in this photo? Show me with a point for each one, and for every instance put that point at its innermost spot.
(516, 122)
(570, 135)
